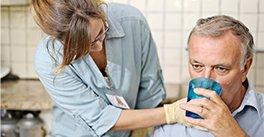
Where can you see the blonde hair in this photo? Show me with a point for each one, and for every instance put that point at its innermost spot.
(68, 22)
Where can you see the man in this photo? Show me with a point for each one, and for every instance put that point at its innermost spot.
(221, 48)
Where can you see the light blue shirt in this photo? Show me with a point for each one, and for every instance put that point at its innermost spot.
(80, 106)
(250, 117)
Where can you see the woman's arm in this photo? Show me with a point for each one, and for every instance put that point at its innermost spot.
(138, 119)
(144, 118)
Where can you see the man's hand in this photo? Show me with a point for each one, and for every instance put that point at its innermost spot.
(217, 117)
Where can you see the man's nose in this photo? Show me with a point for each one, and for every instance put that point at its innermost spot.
(208, 73)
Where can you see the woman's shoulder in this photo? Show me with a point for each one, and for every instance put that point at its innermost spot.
(46, 39)
(47, 51)
(49, 43)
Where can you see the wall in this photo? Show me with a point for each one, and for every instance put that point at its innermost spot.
(19, 38)
(170, 22)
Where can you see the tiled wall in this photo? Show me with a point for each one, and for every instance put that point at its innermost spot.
(19, 38)
(170, 22)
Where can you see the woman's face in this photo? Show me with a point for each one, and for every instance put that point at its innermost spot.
(98, 29)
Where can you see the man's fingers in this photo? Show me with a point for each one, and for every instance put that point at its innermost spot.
(208, 93)
(201, 111)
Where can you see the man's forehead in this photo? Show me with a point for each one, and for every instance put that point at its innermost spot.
(228, 39)
(221, 62)
(221, 50)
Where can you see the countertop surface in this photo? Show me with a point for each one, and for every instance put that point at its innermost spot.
(24, 95)
(31, 95)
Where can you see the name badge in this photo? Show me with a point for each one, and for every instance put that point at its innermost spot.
(116, 99)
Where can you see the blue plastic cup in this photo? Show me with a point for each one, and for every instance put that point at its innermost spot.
(201, 83)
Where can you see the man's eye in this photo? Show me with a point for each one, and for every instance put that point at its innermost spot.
(196, 66)
(221, 69)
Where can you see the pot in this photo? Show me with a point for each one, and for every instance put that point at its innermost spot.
(30, 126)
(9, 126)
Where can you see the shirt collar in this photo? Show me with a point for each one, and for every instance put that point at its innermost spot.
(250, 99)
(115, 28)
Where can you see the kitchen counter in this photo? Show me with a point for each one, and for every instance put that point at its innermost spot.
(24, 95)
(31, 95)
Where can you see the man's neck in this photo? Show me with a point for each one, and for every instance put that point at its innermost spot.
(238, 99)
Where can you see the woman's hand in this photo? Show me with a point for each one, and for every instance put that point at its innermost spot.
(217, 116)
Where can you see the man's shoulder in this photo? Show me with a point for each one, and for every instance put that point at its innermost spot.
(252, 91)
(165, 130)
(179, 131)
(260, 100)
(260, 95)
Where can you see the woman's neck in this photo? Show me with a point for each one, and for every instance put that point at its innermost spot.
(100, 59)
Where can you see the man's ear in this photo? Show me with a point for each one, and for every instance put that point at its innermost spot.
(246, 68)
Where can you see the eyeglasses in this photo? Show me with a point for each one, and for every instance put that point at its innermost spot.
(107, 28)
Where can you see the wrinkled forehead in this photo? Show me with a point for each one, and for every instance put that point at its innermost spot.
(227, 46)
(227, 40)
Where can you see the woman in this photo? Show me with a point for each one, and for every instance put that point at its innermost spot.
(98, 63)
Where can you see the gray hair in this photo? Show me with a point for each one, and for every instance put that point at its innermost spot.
(216, 26)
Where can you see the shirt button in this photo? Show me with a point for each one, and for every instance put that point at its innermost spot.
(76, 116)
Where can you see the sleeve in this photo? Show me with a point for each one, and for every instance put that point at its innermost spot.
(74, 98)
(151, 84)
